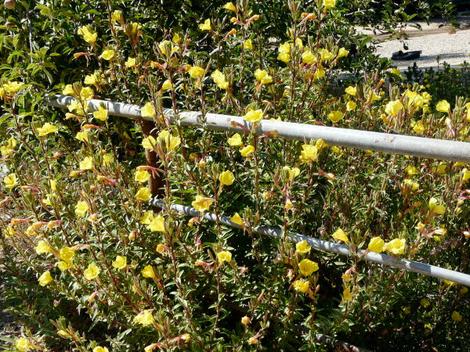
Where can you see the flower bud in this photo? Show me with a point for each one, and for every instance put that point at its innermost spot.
(246, 320)
(10, 4)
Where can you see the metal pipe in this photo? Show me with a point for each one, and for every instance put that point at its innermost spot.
(384, 142)
(327, 246)
(400, 144)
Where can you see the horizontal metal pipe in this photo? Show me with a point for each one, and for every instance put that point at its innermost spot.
(327, 246)
(384, 142)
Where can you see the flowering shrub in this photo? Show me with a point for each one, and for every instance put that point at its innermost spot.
(91, 263)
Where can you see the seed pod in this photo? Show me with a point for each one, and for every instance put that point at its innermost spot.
(10, 4)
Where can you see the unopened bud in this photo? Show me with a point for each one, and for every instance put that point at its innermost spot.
(10, 4)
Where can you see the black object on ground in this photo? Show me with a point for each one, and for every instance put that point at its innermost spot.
(407, 55)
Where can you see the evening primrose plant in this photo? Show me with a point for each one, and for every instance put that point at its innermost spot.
(94, 257)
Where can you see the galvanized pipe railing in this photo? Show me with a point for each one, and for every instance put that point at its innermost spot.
(384, 142)
(327, 246)
(397, 144)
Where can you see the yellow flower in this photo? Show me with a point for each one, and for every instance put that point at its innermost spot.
(176, 38)
(88, 34)
(340, 235)
(43, 247)
(67, 254)
(245, 321)
(247, 151)
(46, 129)
(196, 72)
(167, 85)
(319, 73)
(120, 262)
(351, 105)
(133, 29)
(63, 266)
(292, 172)
(412, 185)
(411, 170)
(100, 349)
(226, 178)
(456, 316)
(76, 107)
(82, 136)
(237, 219)
(326, 55)
(443, 106)
(393, 107)
(284, 52)
(202, 203)
(149, 143)
(117, 17)
(309, 153)
(86, 93)
(219, 79)
(347, 295)
(301, 285)
(143, 194)
(206, 26)
(224, 256)
(147, 217)
(396, 246)
(288, 205)
(335, 116)
(142, 176)
(93, 79)
(465, 174)
(86, 163)
(351, 91)
(148, 272)
(376, 244)
(148, 110)
(419, 126)
(235, 140)
(253, 115)
(108, 159)
(22, 344)
(342, 52)
(81, 208)
(308, 57)
(68, 90)
(168, 141)
(9, 147)
(230, 7)
(11, 88)
(144, 318)
(157, 224)
(10, 181)
(45, 279)
(130, 62)
(91, 272)
(329, 4)
(101, 114)
(253, 340)
(307, 267)
(263, 77)
(161, 248)
(302, 247)
(248, 45)
(435, 207)
(108, 54)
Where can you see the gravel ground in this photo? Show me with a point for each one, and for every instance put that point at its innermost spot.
(443, 47)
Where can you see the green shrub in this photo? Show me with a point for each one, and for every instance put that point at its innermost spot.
(90, 264)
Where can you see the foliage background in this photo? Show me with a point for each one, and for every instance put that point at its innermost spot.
(359, 191)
